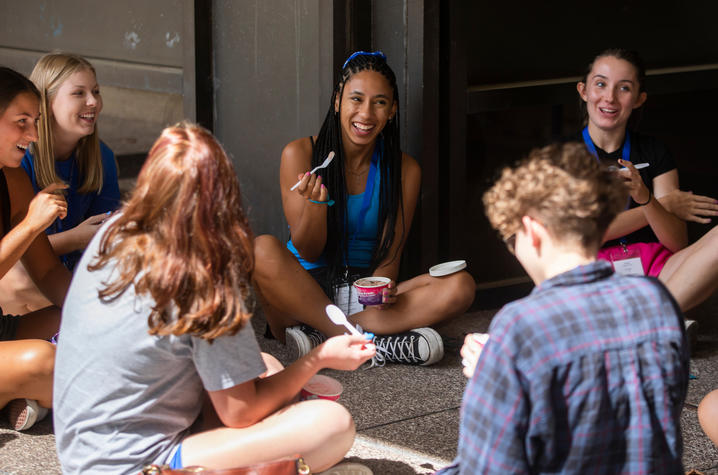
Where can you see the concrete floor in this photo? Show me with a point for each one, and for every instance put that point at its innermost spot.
(407, 417)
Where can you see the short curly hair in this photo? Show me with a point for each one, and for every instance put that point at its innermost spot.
(564, 187)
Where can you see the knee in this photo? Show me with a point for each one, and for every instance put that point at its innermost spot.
(267, 254)
(334, 418)
(266, 246)
(37, 359)
(712, 237)
(463, 290)
(708, 415)
(343, 428)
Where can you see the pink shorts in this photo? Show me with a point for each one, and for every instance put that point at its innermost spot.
(653, 256)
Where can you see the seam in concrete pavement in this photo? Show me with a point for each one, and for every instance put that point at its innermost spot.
(418, 416)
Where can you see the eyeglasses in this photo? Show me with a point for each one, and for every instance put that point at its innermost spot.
(364, 53)
(511, 243)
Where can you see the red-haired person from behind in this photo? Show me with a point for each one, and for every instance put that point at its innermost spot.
(158, 315)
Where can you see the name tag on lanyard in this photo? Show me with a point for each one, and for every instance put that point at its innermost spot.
(625, 261)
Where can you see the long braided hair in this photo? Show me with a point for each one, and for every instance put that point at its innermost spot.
(390, 197)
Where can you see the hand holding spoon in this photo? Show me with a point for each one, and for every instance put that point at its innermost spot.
(324, 164)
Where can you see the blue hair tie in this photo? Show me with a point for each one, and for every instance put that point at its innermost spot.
(364, 53)
(328, 202)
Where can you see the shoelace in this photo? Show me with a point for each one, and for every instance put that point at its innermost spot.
(316, 337)
(395, 349)
(378, 359)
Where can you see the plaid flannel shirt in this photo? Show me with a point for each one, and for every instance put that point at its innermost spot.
(587, 374)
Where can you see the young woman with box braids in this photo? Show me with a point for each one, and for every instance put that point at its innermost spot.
(351, 220)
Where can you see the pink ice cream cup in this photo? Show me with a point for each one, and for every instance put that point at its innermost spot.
(321, 387)
(370, 289)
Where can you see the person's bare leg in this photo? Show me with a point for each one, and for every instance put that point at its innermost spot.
(421, 302)
(41, 324)
(289, 294)
(27, 367)
(691, 274)
(708, 415)
(320, 431)
(19, 294)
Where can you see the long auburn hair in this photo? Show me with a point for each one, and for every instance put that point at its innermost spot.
(49, 73)
(183, 239)
(390, 197)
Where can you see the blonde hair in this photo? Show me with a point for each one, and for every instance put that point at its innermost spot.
(565, 188)
(49, 73)
(183, 239)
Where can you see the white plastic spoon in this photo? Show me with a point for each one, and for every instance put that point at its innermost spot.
(324, 164)
(337, 316)
(637, 166)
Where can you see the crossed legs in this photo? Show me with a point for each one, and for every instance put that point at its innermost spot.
(290, 295)
(691, 274)
(319, 430)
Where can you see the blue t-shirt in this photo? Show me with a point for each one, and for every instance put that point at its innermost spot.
(80, 206)
(359, 249)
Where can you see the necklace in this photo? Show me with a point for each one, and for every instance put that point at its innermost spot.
(359, 173)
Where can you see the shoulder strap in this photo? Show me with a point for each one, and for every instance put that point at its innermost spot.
(4, 203)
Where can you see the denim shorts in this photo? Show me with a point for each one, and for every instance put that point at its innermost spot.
(342, 294)
(176, 462)
(320, 274)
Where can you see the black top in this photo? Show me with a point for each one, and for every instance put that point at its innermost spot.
(4, 204)
(644, 149)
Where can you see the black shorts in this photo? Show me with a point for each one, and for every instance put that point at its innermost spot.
(8, 326)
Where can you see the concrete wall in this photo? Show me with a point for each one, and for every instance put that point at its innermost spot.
(273, 82)
(272, 69)
(398, 31)
(139, 49)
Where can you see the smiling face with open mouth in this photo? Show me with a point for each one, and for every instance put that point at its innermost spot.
(76, 106)
(18, 128)
(611, 93)
(367, 104)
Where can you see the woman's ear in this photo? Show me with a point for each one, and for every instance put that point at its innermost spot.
(641, 100)
(581, 88)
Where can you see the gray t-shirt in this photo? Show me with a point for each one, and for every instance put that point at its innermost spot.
(124, 398)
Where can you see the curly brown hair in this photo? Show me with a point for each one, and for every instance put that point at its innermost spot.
(562, 186)
(183, 239)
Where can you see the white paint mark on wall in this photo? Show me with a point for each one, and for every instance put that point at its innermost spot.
(132, 39)
(171, 39)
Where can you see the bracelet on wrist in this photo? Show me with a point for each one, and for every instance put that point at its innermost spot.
(328, 202)
(650, 196)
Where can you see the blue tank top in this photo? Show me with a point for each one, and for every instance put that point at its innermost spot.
(360, 249)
